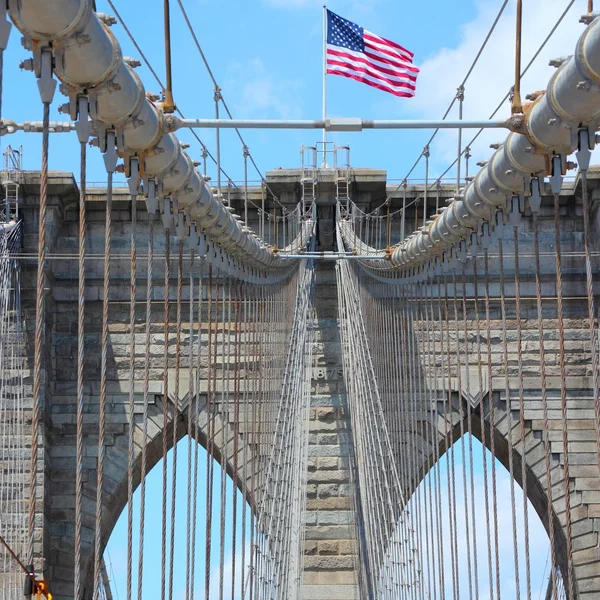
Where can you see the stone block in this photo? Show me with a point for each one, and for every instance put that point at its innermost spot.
(327, 490)
(310, 547)
(327, 547)
(326, 463)
(329, 563)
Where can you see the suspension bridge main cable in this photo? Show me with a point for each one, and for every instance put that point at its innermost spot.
(157, 78)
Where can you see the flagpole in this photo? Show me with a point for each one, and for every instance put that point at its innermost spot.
(324, 82)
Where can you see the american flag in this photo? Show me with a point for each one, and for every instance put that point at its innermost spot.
(359, 54)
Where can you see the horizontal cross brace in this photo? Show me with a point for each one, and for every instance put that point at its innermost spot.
(330, 124)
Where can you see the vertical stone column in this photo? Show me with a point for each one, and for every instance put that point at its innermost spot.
(330, 552)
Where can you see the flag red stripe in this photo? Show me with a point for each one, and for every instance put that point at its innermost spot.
(397, 82)
(386, 50)
(348, 57)
(379, 86)
(377, 38)
(384, 60)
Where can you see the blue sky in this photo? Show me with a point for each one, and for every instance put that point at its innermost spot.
(268, 61)
(539, 544)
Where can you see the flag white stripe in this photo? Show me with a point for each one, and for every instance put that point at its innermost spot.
(398, 77)
(391, 45)
(382, 45)
(407, 89)
(409, 70)
(386, 59)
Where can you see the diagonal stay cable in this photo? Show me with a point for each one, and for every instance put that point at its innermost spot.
(158, 79)
(214, 80)
(506, 97)
(466, 78)
(160, 83)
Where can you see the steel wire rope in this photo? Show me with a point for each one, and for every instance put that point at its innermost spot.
(506, 97)
(39, 362)
(464, 389)
(221, 98)
(484, 450)
(165, 415)
(464, 81)
(196, 434)
(591, 302)
(131, 396)
(544, 388)
(470, 428)
(190, 425)
(103, 382)
(449, 442)
(176, 413)
(80, 371)
(563, 399)
(522, 408)
(508, 415)
(160, 83)
(142, 518)
(488, 332)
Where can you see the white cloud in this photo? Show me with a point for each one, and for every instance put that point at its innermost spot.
(260, 93)
(443, 71)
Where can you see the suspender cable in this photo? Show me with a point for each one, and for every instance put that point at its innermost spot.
(521, 406)
(149, 289)
(175, 412)
(591, 304)
(196, 432)
(168, 105)
(80, 366)
(131, 417)
(40, 318)
(460, 96)
(217, 98)
(544, 388)
(483, 430)
(246, 185)
(165, 413)
(509, 421)
(103, 378)
(517, 105)
(563, 399)
(190, 433)
(488, 333)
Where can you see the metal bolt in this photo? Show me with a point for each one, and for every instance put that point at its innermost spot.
(108, 20)
(184, 146)
(27, 64)
(557, 62)
(64, 109)
(496, 146)
(134, 63)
